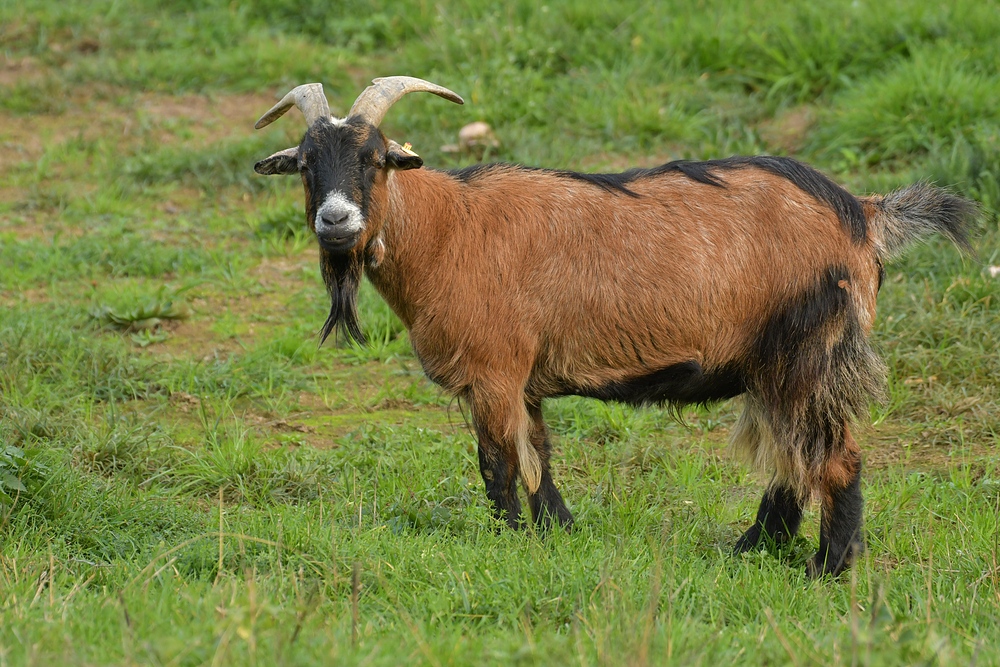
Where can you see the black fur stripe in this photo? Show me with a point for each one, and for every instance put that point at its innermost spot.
(844, 204)
(788, 355)
(680, 384)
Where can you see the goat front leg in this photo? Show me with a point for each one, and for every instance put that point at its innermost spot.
(546, 502)
(502, 429)
(840, 539)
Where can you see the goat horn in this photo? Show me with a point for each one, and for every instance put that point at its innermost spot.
(375, 100)
(308, 97)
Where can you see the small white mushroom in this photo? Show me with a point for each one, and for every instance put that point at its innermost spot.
(473, 138)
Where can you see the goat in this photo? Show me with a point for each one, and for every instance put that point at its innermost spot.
(687, 283)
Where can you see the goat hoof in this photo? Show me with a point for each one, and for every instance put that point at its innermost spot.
(546, 520)
(749, 541)
(815, 568)
(823, 563)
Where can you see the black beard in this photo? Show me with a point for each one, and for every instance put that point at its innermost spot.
(342, 275)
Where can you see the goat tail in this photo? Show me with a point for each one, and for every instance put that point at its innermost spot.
(912, 213)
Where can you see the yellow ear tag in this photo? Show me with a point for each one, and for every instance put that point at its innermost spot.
(408, 149)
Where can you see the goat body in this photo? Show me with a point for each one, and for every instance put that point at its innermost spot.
(687, 283)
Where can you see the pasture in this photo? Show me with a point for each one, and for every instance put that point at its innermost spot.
(187, 478)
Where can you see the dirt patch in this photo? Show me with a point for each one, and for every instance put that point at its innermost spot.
(285, 274)
(98, 112)
(20, 70)
(222, 114)
(281, 430)
(396, 404)
(193, 338)
(180, 200)
(605, 162)
(919, 448)
(198, 119)
(258, 313)
(787, 131)
(89, 115)
(9, 299)
(184, 401)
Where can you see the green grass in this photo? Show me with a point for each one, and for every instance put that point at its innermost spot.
(187, 478)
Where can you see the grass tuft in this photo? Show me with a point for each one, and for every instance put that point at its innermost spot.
(145, 316)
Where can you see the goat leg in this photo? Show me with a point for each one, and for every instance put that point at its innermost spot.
(778, 519)
(840, 539)
(546, 503)
(501, 481)
(498, 457)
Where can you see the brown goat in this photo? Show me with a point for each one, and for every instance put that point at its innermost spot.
(686, 283)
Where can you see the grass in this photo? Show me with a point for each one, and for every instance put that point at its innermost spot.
(187, 478)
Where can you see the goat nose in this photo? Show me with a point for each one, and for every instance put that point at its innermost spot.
(333, 219)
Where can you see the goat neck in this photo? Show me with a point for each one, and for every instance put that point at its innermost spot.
(421, 209)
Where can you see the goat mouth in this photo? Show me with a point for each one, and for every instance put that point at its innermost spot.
(338, 245)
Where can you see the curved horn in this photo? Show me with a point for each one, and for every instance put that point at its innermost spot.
(375, 100)
(308, 97)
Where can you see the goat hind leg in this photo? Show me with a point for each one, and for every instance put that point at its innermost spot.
(778, 519)
(840, 538)
(546, 502)
(780, 510)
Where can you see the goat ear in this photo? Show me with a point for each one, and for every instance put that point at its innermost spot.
(401, 157)
(282, 162)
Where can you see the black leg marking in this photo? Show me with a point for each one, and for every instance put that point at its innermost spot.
(840, 539)
(500, 476)
(778, 519)
(546, 503)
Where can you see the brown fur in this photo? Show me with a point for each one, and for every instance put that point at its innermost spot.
(691, 271)
(652, 261)
(839, 469)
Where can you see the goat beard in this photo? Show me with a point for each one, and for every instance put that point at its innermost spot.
(342, 275)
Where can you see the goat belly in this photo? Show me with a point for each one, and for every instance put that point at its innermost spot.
(679, 384)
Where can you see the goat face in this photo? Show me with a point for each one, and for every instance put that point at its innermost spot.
(343, 162)
(343, 165)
